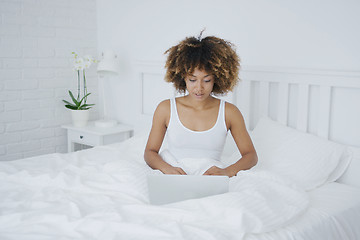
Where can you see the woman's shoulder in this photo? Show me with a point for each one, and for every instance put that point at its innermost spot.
(163, 105)
(232, 111)
(230, 107)
(162, 112)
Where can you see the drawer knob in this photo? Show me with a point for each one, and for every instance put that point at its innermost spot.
(81, 137)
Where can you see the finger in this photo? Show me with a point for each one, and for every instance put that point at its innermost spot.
(180, 171)
(210, 171)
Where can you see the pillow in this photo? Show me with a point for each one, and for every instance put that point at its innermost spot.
(351, 176)
(306, 159)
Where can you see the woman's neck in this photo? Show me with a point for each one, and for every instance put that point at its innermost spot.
(199, 105)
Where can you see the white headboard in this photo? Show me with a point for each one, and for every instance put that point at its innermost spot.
(324, 103)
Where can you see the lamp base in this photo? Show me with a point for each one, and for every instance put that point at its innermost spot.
(103, 123)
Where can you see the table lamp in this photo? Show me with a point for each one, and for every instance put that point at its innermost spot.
(107, 67)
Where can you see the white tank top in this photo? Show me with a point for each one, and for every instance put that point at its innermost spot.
(186, 143)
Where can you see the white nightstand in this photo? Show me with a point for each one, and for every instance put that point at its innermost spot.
(91, 135)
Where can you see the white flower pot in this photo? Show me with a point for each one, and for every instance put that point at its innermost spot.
(80, 117)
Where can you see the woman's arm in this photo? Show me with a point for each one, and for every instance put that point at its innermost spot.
(155, 140)
(236, 124)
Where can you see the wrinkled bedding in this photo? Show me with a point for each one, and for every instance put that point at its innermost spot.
(101, 193)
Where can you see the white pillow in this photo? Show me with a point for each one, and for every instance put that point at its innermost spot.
(306, 159)
(351, 176)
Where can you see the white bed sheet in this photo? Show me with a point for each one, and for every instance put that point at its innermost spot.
(333, 214)
(100, 193)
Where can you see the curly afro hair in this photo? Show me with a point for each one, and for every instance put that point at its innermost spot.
(211, 54)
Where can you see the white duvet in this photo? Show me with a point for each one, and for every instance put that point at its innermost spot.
(101, 193)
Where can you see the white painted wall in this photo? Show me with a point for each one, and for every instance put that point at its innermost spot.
(296, 34)
(36, 41)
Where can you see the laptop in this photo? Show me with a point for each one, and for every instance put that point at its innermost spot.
(164, 189)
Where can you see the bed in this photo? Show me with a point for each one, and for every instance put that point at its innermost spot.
(306, 185)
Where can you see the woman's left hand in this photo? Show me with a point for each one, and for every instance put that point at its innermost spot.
(218, 171)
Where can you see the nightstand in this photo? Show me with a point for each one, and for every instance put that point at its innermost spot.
(90, 135)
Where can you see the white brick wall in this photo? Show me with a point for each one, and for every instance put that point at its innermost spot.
(36, 41)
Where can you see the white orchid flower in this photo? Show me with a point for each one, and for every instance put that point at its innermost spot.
(87, 61)
(79, 63)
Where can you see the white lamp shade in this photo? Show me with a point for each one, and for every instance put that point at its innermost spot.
(109, 65)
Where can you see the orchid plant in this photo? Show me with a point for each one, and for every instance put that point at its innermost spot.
(80, 65)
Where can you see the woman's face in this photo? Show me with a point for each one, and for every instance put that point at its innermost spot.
(199, 84)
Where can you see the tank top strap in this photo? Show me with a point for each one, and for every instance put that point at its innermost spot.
(173, 112)
(221, 119)
(173, 106)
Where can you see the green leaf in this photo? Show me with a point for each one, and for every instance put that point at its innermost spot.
(68, 103)
(72, 107)
(74, 100)
(87, 105)
(83, 98)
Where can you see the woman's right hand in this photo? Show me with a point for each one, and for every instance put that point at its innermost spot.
(174, 170)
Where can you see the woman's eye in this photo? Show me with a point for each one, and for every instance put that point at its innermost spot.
(207, 80)
(192, 80)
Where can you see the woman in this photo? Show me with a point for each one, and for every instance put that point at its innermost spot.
(197, 124)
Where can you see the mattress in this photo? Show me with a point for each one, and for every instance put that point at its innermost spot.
(333, 214)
